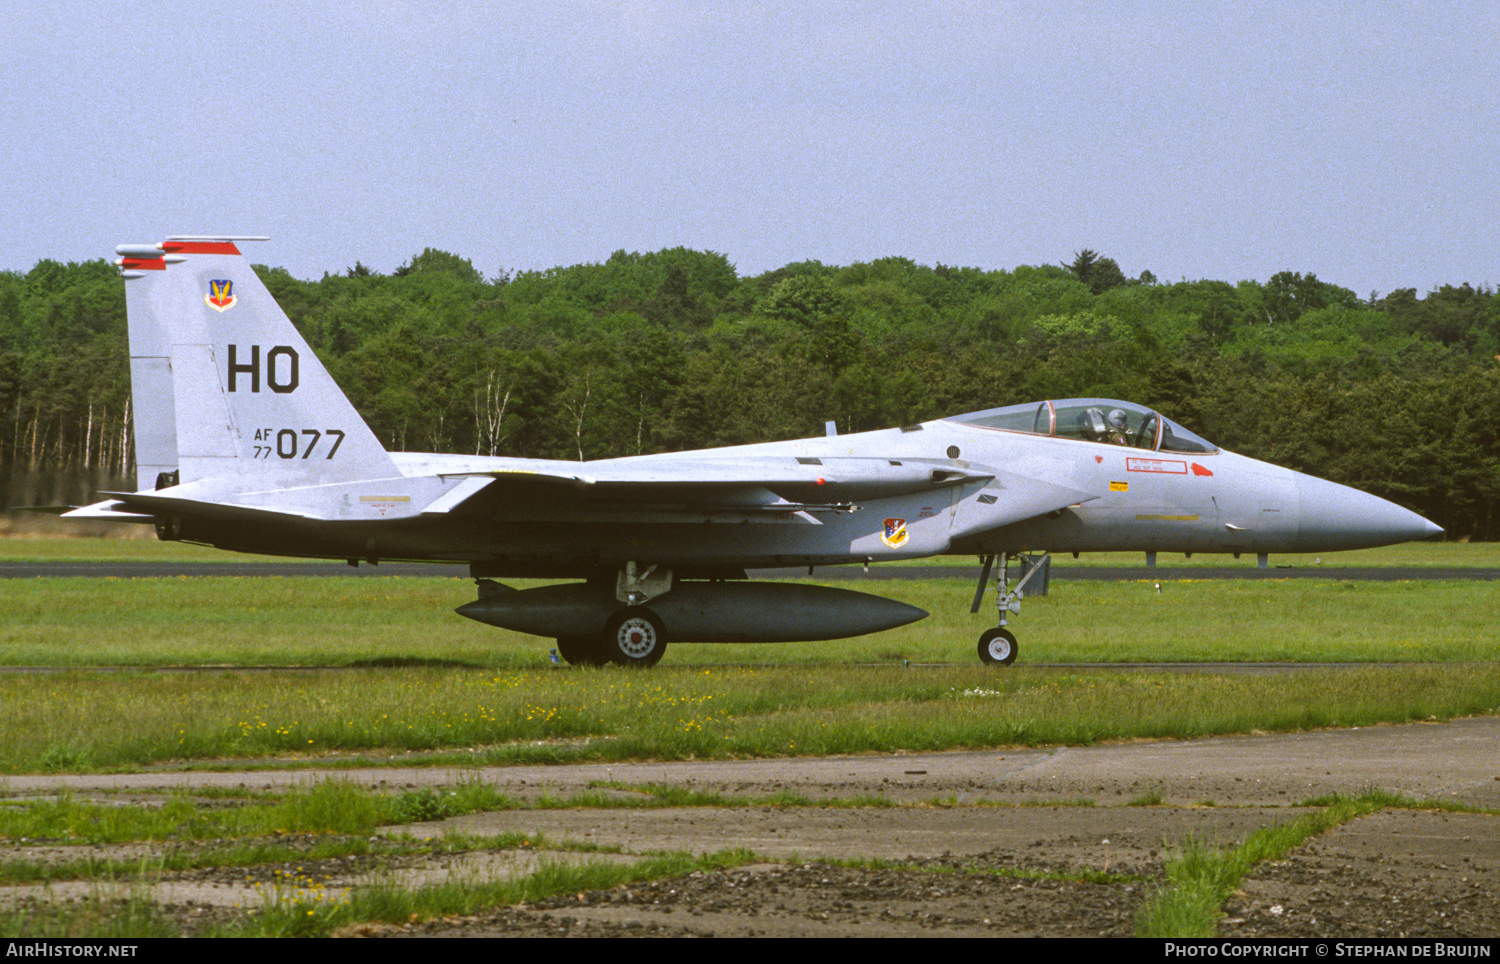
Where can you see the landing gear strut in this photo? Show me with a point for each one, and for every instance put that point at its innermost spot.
(634, 636)
(998, 646)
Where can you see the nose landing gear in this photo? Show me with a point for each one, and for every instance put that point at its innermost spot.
(998, 646)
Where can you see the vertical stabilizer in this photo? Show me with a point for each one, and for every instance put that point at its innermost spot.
(223, 385)
(155, 414)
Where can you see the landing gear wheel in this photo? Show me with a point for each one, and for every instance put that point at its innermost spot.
(582, 651)
(997, 647)
(634, 637)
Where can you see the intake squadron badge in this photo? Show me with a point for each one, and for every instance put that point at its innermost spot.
(895, 533)
(220, 296)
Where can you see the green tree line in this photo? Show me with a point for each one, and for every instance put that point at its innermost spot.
(1398, 395)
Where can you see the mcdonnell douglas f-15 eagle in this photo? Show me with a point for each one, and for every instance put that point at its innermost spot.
(244, 442)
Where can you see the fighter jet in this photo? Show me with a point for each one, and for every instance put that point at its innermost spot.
(244, 442)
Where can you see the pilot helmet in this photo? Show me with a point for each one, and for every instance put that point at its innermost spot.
(1117, 418)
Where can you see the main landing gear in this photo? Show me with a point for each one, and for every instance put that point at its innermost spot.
(632, 636)
(998, 646)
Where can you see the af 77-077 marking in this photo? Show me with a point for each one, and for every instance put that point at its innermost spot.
(244, 442)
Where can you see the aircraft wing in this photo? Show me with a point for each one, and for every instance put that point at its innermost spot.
(773, 487)
(695, 483)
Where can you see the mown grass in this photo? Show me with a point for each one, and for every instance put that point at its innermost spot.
(416, 678)
(303, 621)
(83, 721)
(47, 540)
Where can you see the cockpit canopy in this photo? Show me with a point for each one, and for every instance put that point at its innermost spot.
(1092, 420)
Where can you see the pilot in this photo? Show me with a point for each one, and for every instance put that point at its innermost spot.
(1119, 433)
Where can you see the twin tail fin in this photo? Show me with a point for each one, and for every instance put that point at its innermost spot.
(222, 383)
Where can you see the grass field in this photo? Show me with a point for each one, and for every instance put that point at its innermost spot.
(304, 621)
(102, 721)
(368, 667)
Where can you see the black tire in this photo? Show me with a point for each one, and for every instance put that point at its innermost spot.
(634, 637)
(581, 651)
(997, 647)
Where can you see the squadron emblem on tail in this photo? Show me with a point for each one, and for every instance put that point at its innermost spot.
(220, 295)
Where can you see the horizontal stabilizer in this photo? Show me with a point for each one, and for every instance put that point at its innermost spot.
(156, 504)
(110, 510)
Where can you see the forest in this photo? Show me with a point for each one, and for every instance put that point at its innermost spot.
(1395, 394)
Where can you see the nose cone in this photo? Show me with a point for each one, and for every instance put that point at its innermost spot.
(1334, 517)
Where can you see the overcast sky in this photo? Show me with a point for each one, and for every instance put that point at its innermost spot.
(1356, 141)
